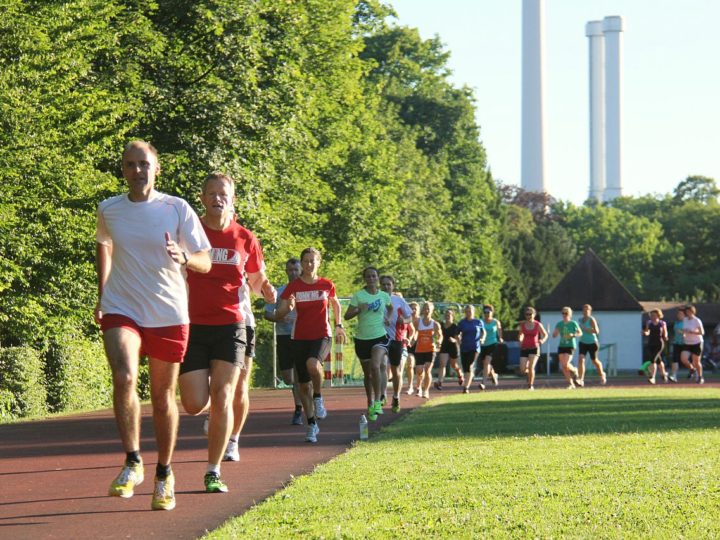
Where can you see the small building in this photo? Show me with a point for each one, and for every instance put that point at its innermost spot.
(618, 313)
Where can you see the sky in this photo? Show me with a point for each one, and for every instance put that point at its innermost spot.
(671, 85)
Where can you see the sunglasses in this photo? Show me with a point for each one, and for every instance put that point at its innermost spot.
(487, 311)
(566, 313)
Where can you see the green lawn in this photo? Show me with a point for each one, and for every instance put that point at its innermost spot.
(600, 463)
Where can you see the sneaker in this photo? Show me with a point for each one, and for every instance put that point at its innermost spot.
(481, 386)
(438, 386)
(383, 400)
(395, 405)
(425, 395)
(603, 380)
(466, 391)
(531, 388)
(312, 433)
(379, 407)
(580, 382)
(461, 380)
(494, 378)
(666, 379)
(297, 419)
(372, 413)
(410, 391)
(206, 424)
(691, 373)
(213, 484)
(701, 381)
(571, 386)
(320, 411)
(232, 452)
(651, 380)
(164, 494)
(131, 475)
(672, 378)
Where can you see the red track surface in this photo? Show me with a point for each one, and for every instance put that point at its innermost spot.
(55, 473)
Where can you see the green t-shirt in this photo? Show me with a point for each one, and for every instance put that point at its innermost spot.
(570, 327)
(371, 323)
(587, 336)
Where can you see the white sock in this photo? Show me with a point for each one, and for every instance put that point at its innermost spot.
(213, 468)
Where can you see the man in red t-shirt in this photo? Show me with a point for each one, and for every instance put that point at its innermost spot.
(215, 359)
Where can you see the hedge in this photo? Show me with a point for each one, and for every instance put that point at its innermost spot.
(22, 389)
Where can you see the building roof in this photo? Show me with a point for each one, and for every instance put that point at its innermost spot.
(590, 282)
(707, 312)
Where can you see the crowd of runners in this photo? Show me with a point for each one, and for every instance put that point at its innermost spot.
(177, 288)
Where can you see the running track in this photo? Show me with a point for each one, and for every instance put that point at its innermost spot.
(55, 473)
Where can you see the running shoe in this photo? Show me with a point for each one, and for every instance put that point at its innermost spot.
(466, 391)
(379, 407)
(206, 424)
(164, 494)
(603, 380)
(438, 386)
(691, 373)
(232, 452)
(383, 400)
(320, 411)
(672, 378)
(666, 379)
(426, 394)
(651, 380)
(395, 405)
(531, 388)
(580, 382)
(312, 433)
(571, 386)
(131, 475)
(461, 380)
(701, 381)
(494, 378)
(410, 391)
(372, 413)
(481, 386)
(213, 484)
(297, 419)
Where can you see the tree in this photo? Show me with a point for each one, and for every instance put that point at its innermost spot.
(697, 188)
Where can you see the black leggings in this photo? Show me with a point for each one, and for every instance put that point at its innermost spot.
(467, 359)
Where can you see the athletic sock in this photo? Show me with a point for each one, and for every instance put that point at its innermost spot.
(212, 468)
(162, 471)
(311, 420)
(316, 395)
(235, 438)
(132, 457)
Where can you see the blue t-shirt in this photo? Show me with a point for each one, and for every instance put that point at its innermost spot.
(282, 328)
(471, 331)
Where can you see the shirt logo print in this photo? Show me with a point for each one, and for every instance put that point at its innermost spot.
(310, 296)
(225, 256)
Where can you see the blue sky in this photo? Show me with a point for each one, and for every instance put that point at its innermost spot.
(671, 117)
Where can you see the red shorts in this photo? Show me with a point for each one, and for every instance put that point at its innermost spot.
(166, 343)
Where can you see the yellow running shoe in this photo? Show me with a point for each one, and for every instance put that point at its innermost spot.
(124, 485)
(164, 494)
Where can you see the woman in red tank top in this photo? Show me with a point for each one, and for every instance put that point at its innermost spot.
(531, 336)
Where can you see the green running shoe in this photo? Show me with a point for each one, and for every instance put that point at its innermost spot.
(213, 484)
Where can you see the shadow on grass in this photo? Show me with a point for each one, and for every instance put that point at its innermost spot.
(558, 416)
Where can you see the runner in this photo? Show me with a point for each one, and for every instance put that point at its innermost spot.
(693, 332)
(589, 345)
(472, 332)
(531, 335)
(398, 332)
(428, 332)
(678, 345)
(493, 336)
(449, 349)
(656, 330)
(220, 331)
(374, 310)
(144, 238)
(310, 295)
(412, 342)
(569, 331)
(283, 330)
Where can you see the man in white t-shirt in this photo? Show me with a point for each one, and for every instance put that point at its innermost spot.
(144, 239)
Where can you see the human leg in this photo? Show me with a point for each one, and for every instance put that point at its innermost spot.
(442, 365)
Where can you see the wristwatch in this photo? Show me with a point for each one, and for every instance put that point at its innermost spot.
(185, 256)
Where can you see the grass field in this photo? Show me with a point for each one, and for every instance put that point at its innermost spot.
(600, 463)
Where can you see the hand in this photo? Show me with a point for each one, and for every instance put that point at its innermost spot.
(291, 302)
(269, 293)
(340, 336)
(173, 250)
(97, 313)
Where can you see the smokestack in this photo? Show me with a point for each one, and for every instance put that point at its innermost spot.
(594, 31)
(533, 162)
(612, 29)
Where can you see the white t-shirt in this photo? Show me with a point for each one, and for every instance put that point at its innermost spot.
(245, 305)
(692, 324)
(145, 284)
(400, 306)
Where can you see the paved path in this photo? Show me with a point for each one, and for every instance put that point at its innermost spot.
(55, 473)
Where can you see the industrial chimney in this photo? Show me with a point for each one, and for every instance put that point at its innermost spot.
(594, 32)
(612, 30)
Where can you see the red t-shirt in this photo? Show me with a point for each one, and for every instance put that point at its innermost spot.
(311, 306)
(531, 338)
(214, 297)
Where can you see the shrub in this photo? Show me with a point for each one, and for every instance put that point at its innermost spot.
(21, 376)
(77, 376)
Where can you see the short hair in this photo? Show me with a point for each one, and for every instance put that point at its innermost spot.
(568, 309)
(587, 306)
(368, 269)
(143, 145)
(411, 304)
(292, 260)
(388, 276)
(658, 311)
(532, 309)
(311, 250)
(215, 175)
(469, 306)
(690, 308)
(429, 304)
(487, 306)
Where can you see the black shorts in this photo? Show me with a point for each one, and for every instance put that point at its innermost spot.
(395, 352)
(250, 347)
(487, 350)
(424, 358)
(695, 350)
(654, 352)
(411, 349)
(588, 348)
(283, 353)
(524, 353)
(677, 350)
(467, 359)
(302, 349)
(364, 347)
(214, 342)
(566, 350)
(450, 348)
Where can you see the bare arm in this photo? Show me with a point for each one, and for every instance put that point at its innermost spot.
(199, 261)
(103, 257)
(543, 334)
(284, 307)
(351, 312)
(499, 332)
(260, 285)
(340, 336)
